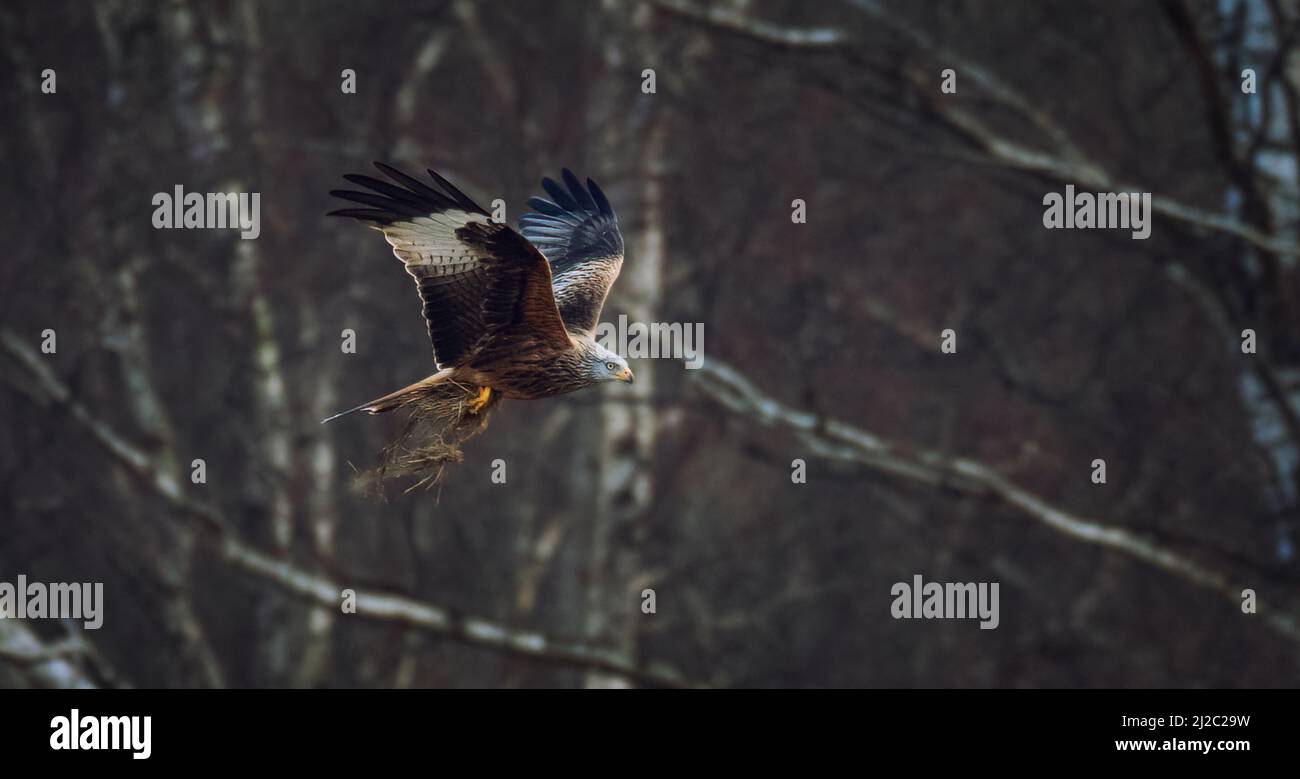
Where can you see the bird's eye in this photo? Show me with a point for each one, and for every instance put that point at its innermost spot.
(611, 366)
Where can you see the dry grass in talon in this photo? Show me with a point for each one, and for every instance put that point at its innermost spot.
(436, 427)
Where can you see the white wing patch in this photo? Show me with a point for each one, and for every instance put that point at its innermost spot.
(430, 243)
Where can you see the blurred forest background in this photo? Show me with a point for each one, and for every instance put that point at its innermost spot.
(822, 342)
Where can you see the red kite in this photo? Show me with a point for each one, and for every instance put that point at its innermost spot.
(510, 314)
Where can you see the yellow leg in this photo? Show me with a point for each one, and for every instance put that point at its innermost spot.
(480, 400)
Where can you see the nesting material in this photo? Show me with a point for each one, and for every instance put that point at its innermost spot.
(437, 424)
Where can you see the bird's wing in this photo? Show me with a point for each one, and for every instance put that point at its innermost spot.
(578, 232)
(478, 279)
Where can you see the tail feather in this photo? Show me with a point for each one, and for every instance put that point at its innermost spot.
(395, 399)
(345, 413)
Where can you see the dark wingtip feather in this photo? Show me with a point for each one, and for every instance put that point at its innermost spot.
(405, 199)
(416, 200)
(570, 202)
(575, 226)
(402, 208)
(459, 197)
(578, 191)
(546, 207)
(415, 186)
(364, 214)
(368, 181)
(602, 202)
(561, 196)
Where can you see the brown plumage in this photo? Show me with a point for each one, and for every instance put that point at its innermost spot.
(510, 315)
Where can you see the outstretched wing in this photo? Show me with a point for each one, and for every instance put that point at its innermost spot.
(478, 279)
(578, 233)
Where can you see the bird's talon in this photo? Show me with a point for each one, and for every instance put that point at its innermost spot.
(480, 400)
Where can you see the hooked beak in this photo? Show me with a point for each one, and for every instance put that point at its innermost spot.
(626, 375)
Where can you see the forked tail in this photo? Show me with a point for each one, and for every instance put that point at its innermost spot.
(396, 399)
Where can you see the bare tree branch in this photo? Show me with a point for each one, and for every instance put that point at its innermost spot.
(46, 665)
(389, 607)
(1066, 163)
(757, 29)
(837, 440)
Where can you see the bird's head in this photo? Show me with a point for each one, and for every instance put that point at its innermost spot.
(608, 366)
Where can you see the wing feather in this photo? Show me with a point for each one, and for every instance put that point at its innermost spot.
(578, 232)
(478, 280)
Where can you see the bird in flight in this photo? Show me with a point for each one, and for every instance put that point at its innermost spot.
(511, 314)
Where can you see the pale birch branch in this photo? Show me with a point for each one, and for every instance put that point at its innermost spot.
(44, 664)
(1066, 164)
(389, 607)
(757, 29)
(836, 440)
